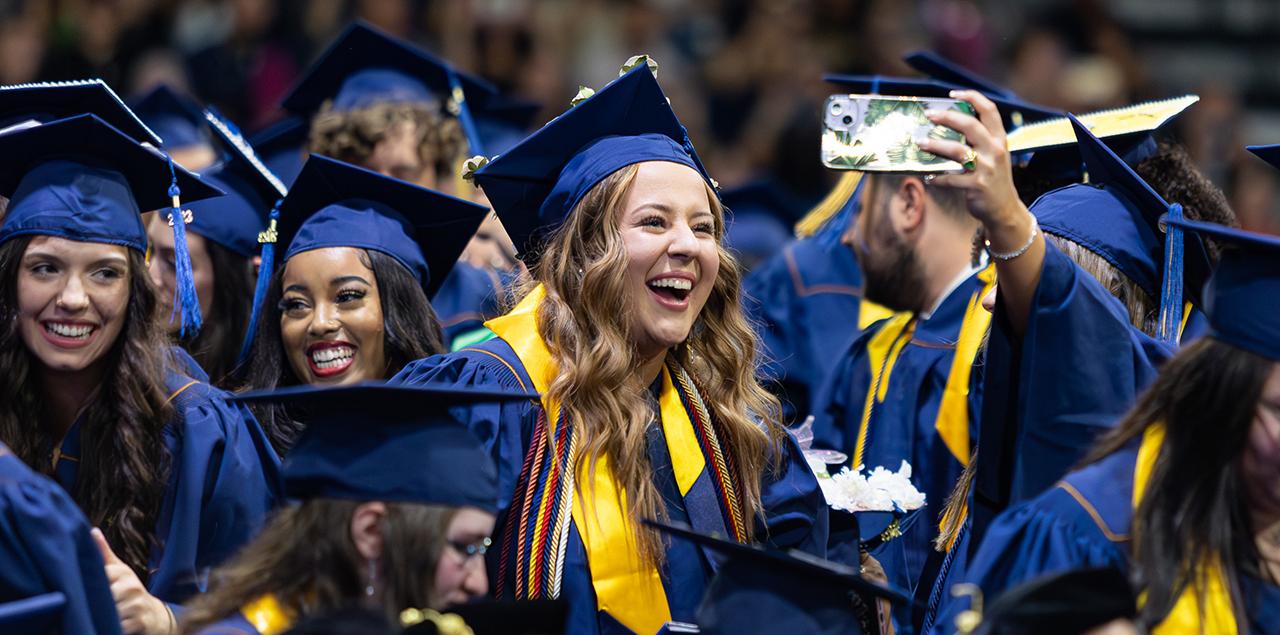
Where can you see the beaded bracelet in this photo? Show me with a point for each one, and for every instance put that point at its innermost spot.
(1010, 255)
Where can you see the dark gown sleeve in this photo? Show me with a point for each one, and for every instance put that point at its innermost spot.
(503, 428)
(224, 480)
(232, 625)
(1047, 534)
(45, 547)
(836, 416)
(795, 512)
(1078, 367)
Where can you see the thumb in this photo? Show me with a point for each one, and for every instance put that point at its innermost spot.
(108, 556)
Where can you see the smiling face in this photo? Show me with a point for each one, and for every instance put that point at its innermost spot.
(164, 272)
(331, 317)
(72, 301)
(669, 231)
(459, 577)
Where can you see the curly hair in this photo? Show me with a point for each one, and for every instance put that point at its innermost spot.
(590, 338)
(124, 465)
(409, 326)
(352, 135)
(306, 558)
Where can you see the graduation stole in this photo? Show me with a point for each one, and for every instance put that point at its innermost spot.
(549, 493)
(1185, 617)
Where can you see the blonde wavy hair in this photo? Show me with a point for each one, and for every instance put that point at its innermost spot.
(588, 333)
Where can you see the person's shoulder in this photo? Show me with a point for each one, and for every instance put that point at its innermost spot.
(489, 363)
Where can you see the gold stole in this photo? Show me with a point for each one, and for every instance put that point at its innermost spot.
(266, 615)
(1185, 617)
(627, 588)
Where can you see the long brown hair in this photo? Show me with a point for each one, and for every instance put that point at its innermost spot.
(306, 558)
(123, 462)
(1194, 508)
(217, 346)
(586, 328)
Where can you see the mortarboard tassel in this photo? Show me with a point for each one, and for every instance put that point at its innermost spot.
(186, 303)
(1171, 294)
(265, 269)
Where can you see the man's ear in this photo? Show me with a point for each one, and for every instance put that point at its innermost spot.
(912, 193)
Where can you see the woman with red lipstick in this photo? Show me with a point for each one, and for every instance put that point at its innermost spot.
(175, 478)
(349, 303)
(632, 331)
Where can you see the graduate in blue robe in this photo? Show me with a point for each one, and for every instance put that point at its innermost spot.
(45, 547)
(807, 305)
(533, 188)
(469, 296)
(221, 473)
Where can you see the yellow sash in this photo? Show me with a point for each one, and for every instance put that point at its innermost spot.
(952, 423)
(869, 313)
(1186, 617)
(627, 588)
(266, 615)
(882, 353)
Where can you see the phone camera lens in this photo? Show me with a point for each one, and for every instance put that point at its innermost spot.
(847, 120)
(836, 108)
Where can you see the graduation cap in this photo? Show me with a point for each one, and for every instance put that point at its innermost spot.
(388, 442)
(281, 147)
(364, 67)
(252, 191)
(764, 590)
(535, 185)
(176, 118)
(1019, 112)
(1240, 297)
(337, 204)
(1067, 603)
(1013, 111)
(1119, 217)
(81, 179)
(45, 102)
(36, 614)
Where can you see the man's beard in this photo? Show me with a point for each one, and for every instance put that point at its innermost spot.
(892, 275)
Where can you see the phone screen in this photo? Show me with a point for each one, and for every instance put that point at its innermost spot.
(878, 133)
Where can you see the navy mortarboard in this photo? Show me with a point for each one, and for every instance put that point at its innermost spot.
(176, 118)
(1016, 111)
(42, 103)
(1118, 216)
(1070, 603)
(252, 190)
(336, 204)
(1241, 296)
(281, 147)
(759, 590)
(81, 179)
(535, 185)
(388, 443)
(364, 67)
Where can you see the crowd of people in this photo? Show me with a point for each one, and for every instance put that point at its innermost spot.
(404, 358)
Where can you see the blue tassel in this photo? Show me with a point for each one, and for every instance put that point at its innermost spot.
(185, 299)
(464, 113)
(265, 269)
(1171, 292)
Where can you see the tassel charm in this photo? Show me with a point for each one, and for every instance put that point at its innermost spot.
(186, 304)
(266, 268)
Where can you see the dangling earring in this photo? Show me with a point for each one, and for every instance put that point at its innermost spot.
(373, 577)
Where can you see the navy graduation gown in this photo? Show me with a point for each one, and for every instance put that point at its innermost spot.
(795, 512)
(804, 303)
(1083, 521)
(232, 625)
(1079, 366)
(223, 481)
(45, 547)
(902, 426)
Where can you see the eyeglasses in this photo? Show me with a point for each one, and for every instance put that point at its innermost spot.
(469, 549)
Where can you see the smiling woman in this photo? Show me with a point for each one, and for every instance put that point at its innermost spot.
(631, 328)
(94, 398)
(350, 302)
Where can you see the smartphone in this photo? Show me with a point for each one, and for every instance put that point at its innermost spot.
(879, 133)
